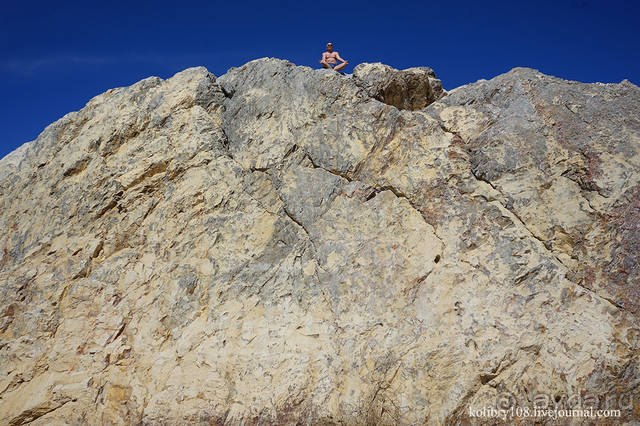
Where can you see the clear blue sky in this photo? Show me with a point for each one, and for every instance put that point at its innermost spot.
(55, 56)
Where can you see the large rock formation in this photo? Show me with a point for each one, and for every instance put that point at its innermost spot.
(280, 245)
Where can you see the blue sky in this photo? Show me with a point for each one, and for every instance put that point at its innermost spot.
(55, 56)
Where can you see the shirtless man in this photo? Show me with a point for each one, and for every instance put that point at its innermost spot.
(329, 59)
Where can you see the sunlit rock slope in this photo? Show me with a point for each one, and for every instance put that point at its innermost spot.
(287, 245)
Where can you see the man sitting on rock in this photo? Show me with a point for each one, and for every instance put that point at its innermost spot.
(329, 59)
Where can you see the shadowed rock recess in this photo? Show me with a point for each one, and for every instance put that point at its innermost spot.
(287, 245)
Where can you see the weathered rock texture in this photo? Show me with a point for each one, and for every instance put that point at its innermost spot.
(277, 245)
(413, 88)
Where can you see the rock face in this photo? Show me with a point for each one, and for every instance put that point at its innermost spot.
(277, 245)
(412, 89)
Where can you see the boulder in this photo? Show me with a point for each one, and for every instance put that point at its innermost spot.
(412, 88)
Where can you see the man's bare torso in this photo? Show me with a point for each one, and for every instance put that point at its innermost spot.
(330, 57)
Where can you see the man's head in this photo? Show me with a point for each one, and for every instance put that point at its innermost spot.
(329, 47)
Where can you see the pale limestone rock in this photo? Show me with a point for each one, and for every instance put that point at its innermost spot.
(279, 246)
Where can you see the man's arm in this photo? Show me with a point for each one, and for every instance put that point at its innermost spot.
(324, 58)
(340, 59)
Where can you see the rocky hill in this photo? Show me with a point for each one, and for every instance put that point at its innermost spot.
(287, 245)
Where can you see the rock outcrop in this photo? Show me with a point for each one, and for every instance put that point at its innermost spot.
(283, 245)
(413, 88)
